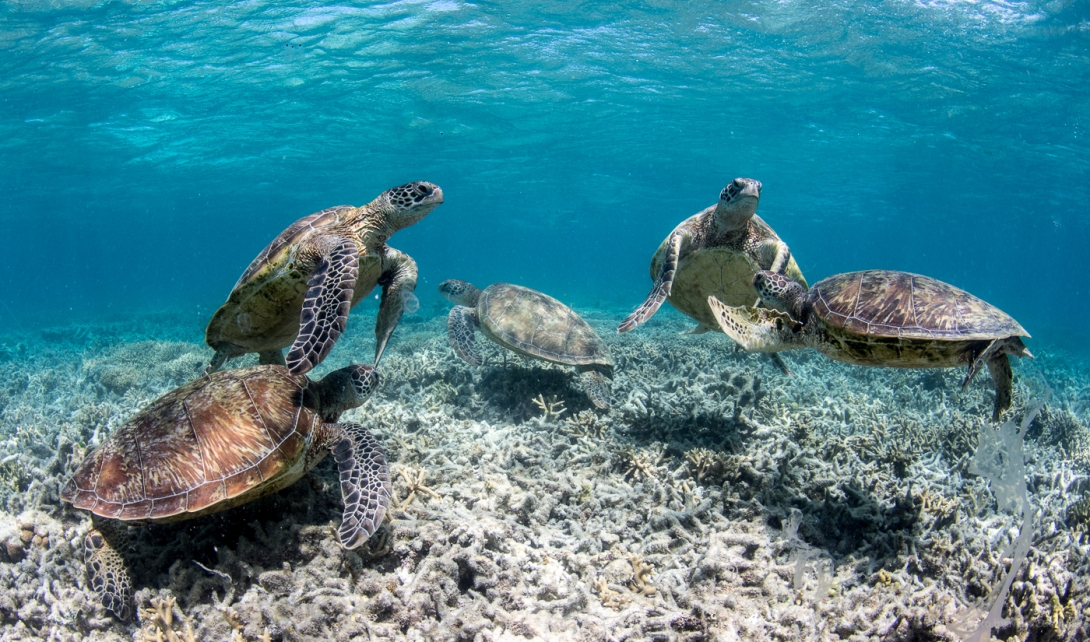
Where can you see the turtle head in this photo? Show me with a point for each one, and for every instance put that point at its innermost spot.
(738, 203)
(460, 292)
(779, 292)
(345, 389)
(406, 204)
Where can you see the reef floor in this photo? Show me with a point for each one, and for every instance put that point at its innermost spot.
(717, 500)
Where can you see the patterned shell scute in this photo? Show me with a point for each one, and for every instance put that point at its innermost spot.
(280, 248)
(528, 321)
(882, 303)
(204, 443)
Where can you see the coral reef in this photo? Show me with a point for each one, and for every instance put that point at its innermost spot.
(717, 499)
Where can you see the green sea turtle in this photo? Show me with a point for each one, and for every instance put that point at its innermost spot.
(881, 318)
(299, 289)
(533, 325)
(715, 252)
(223, 440)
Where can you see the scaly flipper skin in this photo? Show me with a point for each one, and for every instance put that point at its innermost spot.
(326, 306)
(107, 573)
(398, 279)
(596, 385)
(659, 291)
(461, 329)
(757, 329)
(774, 254)
(365, 483)
(1000, 368)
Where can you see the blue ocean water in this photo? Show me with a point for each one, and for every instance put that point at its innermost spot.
(148, 151)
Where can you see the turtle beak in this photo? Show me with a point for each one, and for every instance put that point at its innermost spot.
(752, 189)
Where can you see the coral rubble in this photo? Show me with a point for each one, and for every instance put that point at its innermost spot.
(717, 499)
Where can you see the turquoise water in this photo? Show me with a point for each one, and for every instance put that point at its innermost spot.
(149, 151)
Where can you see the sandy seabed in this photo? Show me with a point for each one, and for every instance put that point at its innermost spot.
(717, 500)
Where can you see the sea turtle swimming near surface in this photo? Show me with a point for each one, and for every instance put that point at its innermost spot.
(529, 323)
(881, 318)
(221, 441)
(299, 289)
(716, 252)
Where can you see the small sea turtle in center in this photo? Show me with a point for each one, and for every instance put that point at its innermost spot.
(224, 440)
(533, 325)
(716, 252)
(300, 288)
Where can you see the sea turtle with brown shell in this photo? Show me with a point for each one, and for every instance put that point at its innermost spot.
(715, 252)
(881, 318)
(300, 288)
(221, 441)
(529, 323)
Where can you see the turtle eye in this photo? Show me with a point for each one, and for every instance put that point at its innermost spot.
(423, 189)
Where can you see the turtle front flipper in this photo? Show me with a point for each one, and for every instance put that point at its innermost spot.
(461, 329)
(597, 387)
(398, 281)
(365, 483)
(107, 572)
(660, 290)
(773, 255)
(325, 306)
(757, 329)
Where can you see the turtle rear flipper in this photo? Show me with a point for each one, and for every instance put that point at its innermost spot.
(1000, 368)
(596, 385)
(107, 572)
(398, 282)
(757, 329)
(660, 290)
(461, 328)
(325, 306)
(365, 483)
(780, 364)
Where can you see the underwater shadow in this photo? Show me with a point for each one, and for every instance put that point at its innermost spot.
(510, 390)
(207, 559)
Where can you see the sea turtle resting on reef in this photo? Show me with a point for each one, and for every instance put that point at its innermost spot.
(529, 323)
(299, 289)
(716, 252)
(881, 318)
(223, 440)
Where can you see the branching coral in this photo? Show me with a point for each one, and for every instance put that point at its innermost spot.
(640, 572)
(550, 409)
(159, 623)
(586, 424)
(414, 478)
(703, 463)
(609, 597)
(642, 463)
